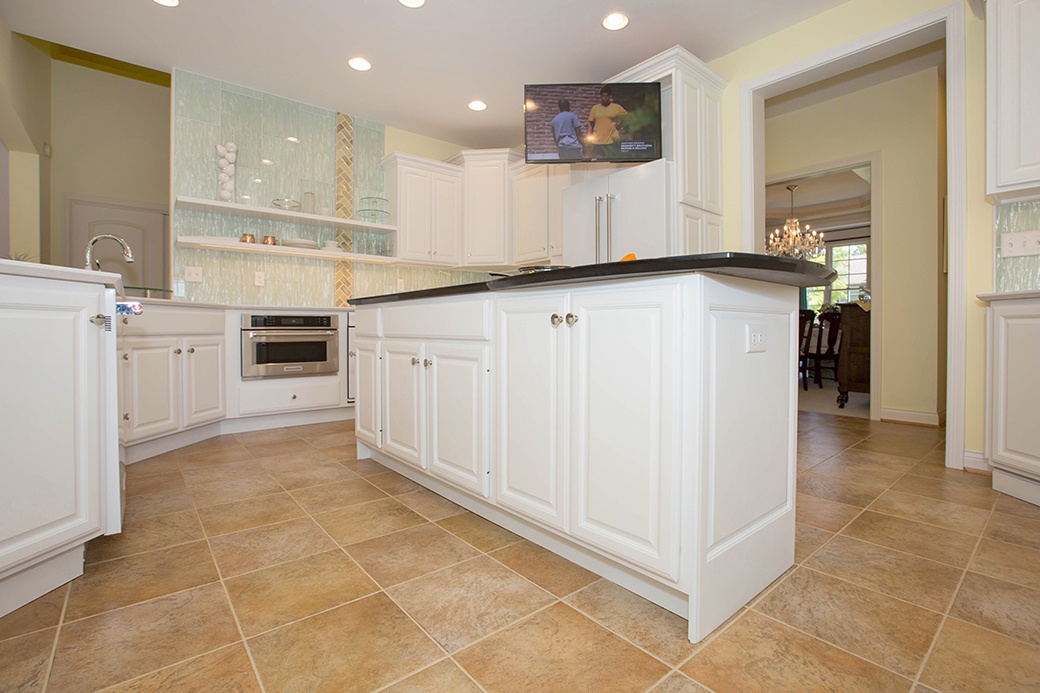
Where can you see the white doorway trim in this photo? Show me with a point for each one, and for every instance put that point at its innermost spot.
(70, 254)
(943, 22)
(876, 240)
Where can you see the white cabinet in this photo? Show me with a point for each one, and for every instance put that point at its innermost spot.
(425, 200)
(368, 425)
(58, 448)
(1014, 393)
(538, 212)
(588, 414)
(173, 371)
(424, 400)
(171, 383)
(609, 217)
(1013, 98)
(487, 206)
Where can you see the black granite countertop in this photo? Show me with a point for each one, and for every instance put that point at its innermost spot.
(778, 270)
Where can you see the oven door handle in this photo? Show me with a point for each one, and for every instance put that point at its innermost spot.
(290, 335)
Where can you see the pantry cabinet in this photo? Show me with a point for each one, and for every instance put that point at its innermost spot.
(537, 222)
(1013, 100)
(487, 205)
(425, 199)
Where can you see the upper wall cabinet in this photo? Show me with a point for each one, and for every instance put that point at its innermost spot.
(426, 203)
(487, 205)
(1013, 98)
(691, 97)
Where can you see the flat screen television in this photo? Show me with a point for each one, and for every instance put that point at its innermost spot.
(616, 122)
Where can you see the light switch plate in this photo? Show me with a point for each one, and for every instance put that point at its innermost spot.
(258, 278)
(193, 274)
(1020, 243)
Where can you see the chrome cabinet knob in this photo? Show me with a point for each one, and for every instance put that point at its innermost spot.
(415, 361)
(571, 319)
(294, 396)
(177, 351)
(191, 350)
(555, 319)
(351, 354)
(427, 363)
(126, 357)
(126, 417)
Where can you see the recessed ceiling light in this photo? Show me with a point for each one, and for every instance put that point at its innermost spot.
(360, 64)
(477, 105)
(167, 3)
(412, 3)
(290, 138)
(615, 21)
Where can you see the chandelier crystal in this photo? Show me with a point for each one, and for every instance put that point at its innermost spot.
(793, 241)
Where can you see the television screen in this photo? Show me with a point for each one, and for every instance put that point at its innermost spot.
(617, 121)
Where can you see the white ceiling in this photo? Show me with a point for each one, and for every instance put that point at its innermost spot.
(428, 62)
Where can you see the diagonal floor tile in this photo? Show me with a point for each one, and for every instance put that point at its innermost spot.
(42, 612)
(227, 669)
(265, 546)
(758, 654)
(656, 630)
(154, 504)
(364, 521)
(249, 513)
(393, 483)
(137, 578)
(950, 491)
(558, 649)
(272, 597)
(478, 532)
(465, 602)
(395, 558)
(1001, 606)
(146, 534)
(824, 514)
(1009, 562)
(24, 660)
(118, 645)
(952, 516)
(917, 580)
(883, 630)
(429, 504)
(807, 540)
(840, 490)
(442, 677)
(220, 492)
(1014, 529)
(319, 499)
(964, 657)
(360, 646)
(927, 541)
(545, 568)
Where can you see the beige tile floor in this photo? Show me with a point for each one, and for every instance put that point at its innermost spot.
(276, 561)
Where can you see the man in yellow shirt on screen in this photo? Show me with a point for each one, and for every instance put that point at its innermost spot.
(604, 120)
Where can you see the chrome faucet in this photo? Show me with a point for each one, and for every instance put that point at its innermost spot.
(127, 255)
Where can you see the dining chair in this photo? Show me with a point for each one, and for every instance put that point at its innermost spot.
(805, 329)
(823, 351)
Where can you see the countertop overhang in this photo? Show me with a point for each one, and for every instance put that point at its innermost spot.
(777, 270)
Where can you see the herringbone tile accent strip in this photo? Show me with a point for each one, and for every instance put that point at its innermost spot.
(344, 203)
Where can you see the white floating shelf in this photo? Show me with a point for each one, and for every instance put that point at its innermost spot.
(278, 214)
(236, 246)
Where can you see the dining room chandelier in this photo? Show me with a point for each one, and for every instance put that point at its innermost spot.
(793, 241)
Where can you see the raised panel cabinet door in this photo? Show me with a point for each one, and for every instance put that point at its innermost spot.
(559, 178)
(446, 218)
(368, 396)
(152, 405)
(637, 218)
(414, 210)
(202, 365)
(53, 411)
(404, 406)
(1014, 99)
(531, 428)
(457, 383)
(1016, 387)
(530, 214)
(486, 203)
(624, 432)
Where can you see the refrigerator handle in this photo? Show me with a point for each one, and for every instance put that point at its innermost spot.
(610, 227)
(599, 199)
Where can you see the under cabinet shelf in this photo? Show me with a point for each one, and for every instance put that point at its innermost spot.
(236, 246)
(197, 203)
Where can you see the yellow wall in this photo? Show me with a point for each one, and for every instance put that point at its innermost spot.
(24, 127)
(418, 145)
(898, 120)
(110, 137)
(840, 25)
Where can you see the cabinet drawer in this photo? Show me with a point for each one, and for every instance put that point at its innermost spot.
(448, 320)
(292, 394)
(174, 320)
(368, 322)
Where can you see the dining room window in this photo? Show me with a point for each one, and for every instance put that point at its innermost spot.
(851, 259)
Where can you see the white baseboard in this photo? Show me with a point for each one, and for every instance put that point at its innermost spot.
(920, 418)
(976, 461)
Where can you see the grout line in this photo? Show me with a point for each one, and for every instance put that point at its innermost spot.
(54, 645)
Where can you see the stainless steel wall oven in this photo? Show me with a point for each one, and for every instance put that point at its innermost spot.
(279, 346)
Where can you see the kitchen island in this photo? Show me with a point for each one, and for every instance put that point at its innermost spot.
(638, 418)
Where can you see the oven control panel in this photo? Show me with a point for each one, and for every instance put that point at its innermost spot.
(254, 321)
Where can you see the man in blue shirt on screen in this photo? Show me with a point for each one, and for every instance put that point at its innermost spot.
(566, 127)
